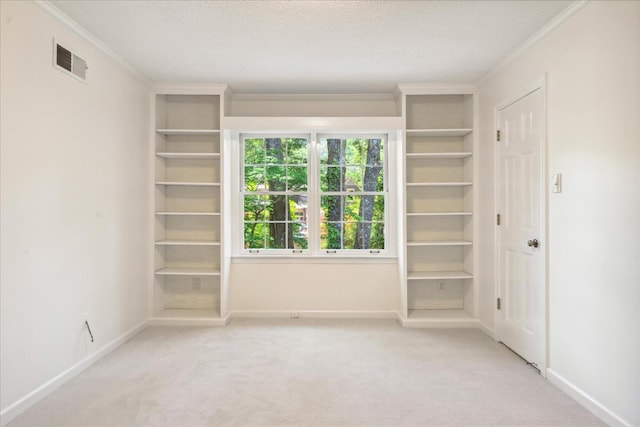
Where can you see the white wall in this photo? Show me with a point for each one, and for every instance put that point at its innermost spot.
(341, 289)
(74, 203)
(593, 96)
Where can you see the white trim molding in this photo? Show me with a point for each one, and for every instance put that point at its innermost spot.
(26, 402)
(72, 25)
(565, 16)
(587, 401)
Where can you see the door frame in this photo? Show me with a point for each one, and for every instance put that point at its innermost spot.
(539, 84)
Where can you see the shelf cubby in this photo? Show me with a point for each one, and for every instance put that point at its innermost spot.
(188, 246)
(439, 145)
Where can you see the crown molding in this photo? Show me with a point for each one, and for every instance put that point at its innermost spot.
(564, 17)
(72, 25)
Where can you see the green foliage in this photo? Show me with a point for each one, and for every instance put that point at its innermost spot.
(346, 165)
(280, 165)
(274, 165)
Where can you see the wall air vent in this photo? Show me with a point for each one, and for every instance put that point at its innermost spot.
(68, 62)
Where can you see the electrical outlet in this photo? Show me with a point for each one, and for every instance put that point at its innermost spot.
(196, 284)
(85, 317)
(441, 285)
(295, 314)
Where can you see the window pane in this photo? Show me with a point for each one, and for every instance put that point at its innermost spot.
(374, 152)
(350, 235)
(296, 151)
(255, 208)
(276, 178)
(277, 236)
(331, 235)
(253, 151)
(254, 235)
(276, 207)
(352, 208)
(297, 206)
(353, 179)
(378, 209)
(331, 208)
(275, 151)
(353, 153)
(377, 236)
(300, 235)
(348, 167)
(332, 151)
(330, 178)
(254, 178)
(297, 178)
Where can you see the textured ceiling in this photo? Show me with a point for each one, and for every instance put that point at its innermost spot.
(312, 46)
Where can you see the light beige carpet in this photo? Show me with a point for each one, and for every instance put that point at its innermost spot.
(302, 372)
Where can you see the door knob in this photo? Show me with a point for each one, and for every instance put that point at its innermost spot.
(533, 243)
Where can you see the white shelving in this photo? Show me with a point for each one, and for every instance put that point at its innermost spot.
(438, 275)
(189, 184)
(439, 132)
(439, 184)
(421, 214)
(188, 221)
(439, 147)
(188, 132)
(193, 156)
(441, 243)
(461, 155)
(188, 242)
(188, 213)
(188, 272)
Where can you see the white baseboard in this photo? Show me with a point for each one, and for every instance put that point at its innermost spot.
(595, 407)
(14, 410)
(487, 330)
(316, 314)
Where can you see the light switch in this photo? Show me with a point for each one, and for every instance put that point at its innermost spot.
(557, 183)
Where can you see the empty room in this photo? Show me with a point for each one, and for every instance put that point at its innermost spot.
(319, 213)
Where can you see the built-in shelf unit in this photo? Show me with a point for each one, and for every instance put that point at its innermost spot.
(437, 258)
(189, 252)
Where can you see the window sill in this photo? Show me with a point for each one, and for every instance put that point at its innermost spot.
(311, 259)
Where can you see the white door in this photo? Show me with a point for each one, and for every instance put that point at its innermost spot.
(520, 243)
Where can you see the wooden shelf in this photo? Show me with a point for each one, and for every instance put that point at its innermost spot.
(188, 213)
(439, 184)
(190, 184)
(188, 272)
(439, 132)
(187, 243)
(460, 155)
(441, 243)
(188, 131)
(194, 156)
(438, 275)
(421, 214)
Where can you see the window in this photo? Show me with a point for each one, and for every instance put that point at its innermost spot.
(275, 193)
(352, 193)
(313, 194)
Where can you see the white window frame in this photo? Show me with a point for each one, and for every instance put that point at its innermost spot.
(249, 135)
(314, 193)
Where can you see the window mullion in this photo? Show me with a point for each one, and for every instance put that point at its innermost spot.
(313, 226)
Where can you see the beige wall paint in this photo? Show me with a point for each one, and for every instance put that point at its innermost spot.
(592, 67)
(303, 287)
(74, 202)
